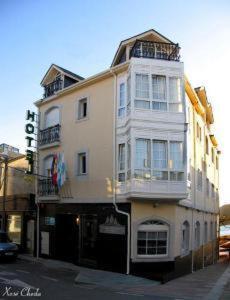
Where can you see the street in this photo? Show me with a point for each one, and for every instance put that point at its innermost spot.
(23, 279)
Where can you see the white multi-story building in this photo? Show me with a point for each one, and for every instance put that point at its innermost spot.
(141, 188)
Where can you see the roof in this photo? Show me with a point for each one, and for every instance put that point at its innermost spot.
(140, 36)
(62, 70)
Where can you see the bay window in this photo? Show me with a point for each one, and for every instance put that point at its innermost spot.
(152, 159)
(157, 97)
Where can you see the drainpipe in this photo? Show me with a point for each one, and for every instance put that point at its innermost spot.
(36, 188)
(115, 173)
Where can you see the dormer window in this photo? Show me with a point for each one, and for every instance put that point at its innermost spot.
(57, 79)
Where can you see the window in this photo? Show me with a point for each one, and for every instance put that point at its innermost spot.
(199, 180)
(207, 187)
(152, 160)
(175, 94)
(142, 86)
(206, 145)
(152, 238)
(217, 162)
(82, 108)
(159, 92)
(128, 95)
(213, 155)
(121, 108)
(143, 160)
(159, 157)
(52, 117)
(212, 191)
(198, 132)
(129, 159)
(197, 234)
(121, 162)
(82, 164)
(176, 161)
(211, 231)
(205, 232)
(142, 104)
(185, 237)
(14, 225)
(48, 165)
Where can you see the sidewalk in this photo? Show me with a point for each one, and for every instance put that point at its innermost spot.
(211, 283)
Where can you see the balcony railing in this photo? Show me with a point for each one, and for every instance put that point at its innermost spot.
(147, 49)
(49, 135)
(46, 187)
(52, 87)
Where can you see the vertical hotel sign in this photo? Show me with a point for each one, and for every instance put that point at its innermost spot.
(30, 134)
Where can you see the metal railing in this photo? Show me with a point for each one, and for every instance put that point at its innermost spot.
(46, 187)
(147, 49)
(49, 135)
(52, 87)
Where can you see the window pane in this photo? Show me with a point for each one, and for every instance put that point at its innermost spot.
(159, 87)
(162, 250)
(162, 235)
(159, 105)
(151, 243)
(142, 85)
(142, 104)
(141, 250)
(122, 94)
(121, 157)
(142, 153)
(121, 112)
(141, 235)
(159, 154)
(152, 235)
(121, 177)
(159, 175)
(151, 251)
(174, 89)
(176, 155)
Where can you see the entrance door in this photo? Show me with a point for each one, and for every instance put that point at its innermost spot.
(30, 236)
(88, 238)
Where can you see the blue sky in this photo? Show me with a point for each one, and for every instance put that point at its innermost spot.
(82, 36)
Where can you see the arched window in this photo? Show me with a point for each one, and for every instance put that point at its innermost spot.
(205, 232)
(197, 234)
(152, 238)
(185, 237)
(47, 165)
(52, 117)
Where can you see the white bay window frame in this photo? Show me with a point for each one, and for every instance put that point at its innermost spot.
(163, 173)
(147, 99)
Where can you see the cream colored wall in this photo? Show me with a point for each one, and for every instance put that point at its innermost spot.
(197, 155)
(95, 135)
(17, 181)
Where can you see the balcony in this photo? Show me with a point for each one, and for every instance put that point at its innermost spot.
(50, 135)
(147, 49)
(46, 188)
(53, 87)
(161, 190)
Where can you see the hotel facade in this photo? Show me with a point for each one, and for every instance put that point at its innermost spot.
(141, 162)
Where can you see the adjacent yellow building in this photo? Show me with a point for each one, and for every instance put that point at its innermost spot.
(128, 164)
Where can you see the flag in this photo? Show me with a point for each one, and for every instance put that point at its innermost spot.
(61, 170)
(54, 169)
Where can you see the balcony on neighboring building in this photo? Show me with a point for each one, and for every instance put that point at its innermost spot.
(53, 87)
(46, 188)
(50, 136)
(148, 49)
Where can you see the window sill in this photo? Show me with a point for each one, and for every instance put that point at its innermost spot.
(82, 120)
